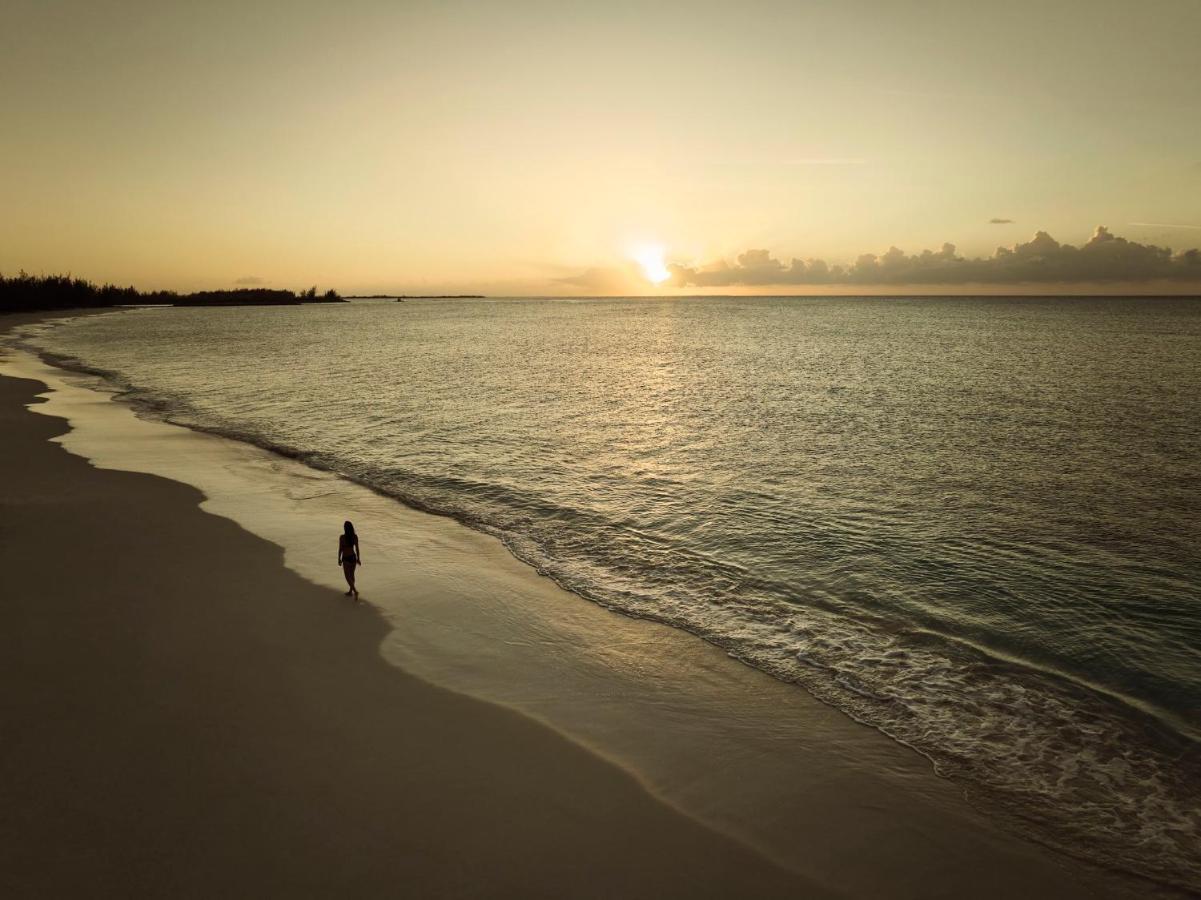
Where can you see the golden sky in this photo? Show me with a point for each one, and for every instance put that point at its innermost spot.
(537, 148)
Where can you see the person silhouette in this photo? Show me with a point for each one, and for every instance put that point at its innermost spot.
(349, 555)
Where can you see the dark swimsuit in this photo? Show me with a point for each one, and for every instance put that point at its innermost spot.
(348, 557)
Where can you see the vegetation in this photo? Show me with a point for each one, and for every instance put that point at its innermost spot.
(27, 293)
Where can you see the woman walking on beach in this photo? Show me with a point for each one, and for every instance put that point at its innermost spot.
(349, 556)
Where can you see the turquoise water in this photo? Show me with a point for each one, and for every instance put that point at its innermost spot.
(971, 523)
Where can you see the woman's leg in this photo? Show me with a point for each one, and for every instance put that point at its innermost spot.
(348, 571)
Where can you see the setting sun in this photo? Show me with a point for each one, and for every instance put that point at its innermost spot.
(653, 267)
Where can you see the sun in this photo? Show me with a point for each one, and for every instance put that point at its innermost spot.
(650, 258)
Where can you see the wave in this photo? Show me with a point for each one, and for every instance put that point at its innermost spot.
(1093, 774)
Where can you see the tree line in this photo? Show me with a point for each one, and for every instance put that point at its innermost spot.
(30, 293)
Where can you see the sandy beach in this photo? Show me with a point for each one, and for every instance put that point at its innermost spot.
(186, 715)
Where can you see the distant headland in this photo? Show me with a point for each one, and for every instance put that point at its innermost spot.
(29, 293)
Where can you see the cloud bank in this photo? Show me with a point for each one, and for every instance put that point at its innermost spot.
(1000, 221)
(1041, 260)
(250, 280)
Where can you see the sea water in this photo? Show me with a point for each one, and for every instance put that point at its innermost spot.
(972, 523)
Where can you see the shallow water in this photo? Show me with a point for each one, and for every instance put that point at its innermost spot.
(971, 523)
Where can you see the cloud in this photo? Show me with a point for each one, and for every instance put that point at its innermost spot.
(250, 280)
(616, 280)
(1042, 259)
(1000, 221)
(826, 161)
(1161, 225)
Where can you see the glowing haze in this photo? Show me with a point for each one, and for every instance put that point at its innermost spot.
(563, 147)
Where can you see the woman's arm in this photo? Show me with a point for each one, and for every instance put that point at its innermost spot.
(339, 551)
(358, 554)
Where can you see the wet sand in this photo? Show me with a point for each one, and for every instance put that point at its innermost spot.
(193, 716)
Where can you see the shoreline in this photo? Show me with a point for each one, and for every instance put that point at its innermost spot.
(233, 729)
(856, 791)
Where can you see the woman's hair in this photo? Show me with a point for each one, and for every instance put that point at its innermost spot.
(348, 529)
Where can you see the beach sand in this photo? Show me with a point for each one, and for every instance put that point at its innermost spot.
(184, 714)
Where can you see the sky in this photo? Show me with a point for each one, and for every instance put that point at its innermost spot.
(608, 147)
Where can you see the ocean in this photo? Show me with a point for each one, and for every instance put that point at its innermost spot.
(973, 524)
